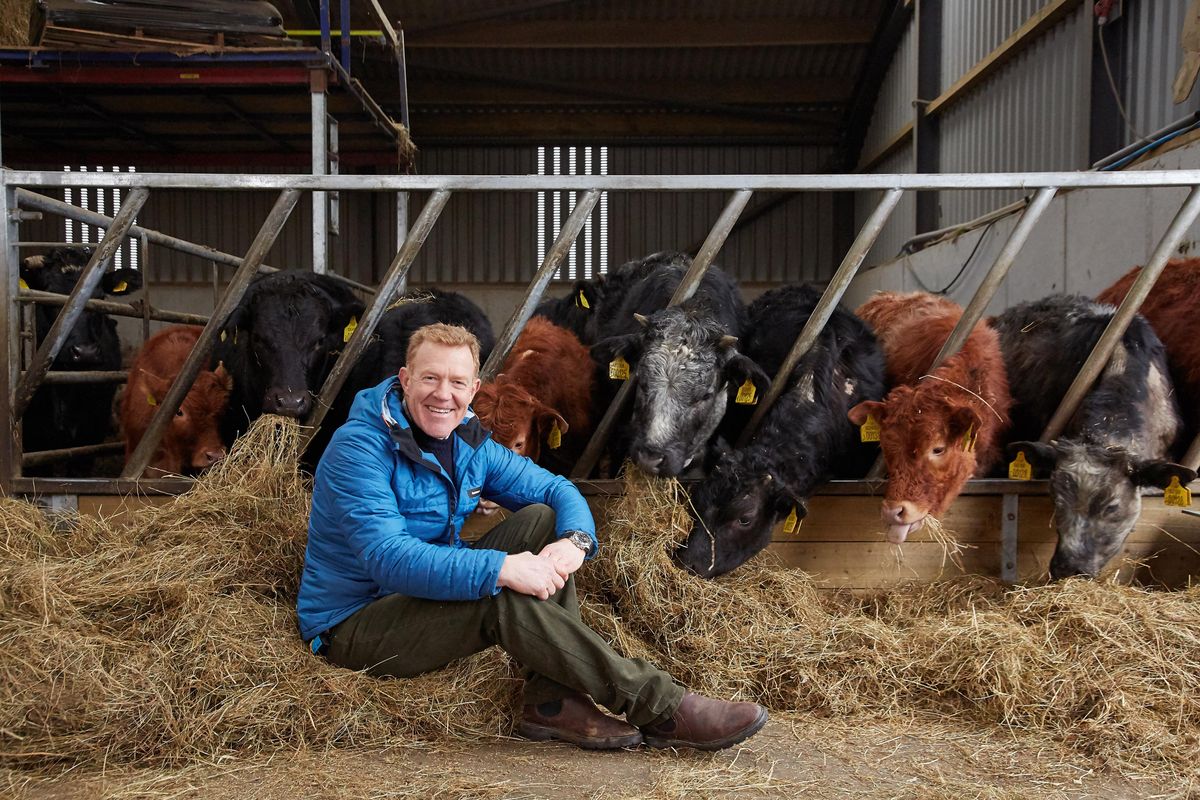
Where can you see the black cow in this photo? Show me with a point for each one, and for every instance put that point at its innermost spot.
(388, 350)
(73, 415)
(573, 312)
(281, 343)
(1118, 440)
(806, 437)
(687, 365)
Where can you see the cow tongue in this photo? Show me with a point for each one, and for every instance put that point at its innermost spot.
(898, 532)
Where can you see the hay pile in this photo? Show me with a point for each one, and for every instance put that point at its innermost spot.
(1111, 671)
(172, 638)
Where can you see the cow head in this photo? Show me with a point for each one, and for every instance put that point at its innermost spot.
(686, 364)
(517, 419)
(289, 329)
(1097, 498)
(735, 507)
(92, 343)
(192, 442)
(928, 445)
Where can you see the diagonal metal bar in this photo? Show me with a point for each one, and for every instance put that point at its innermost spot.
(537, 287)
(388, 289)
(88, 281)
(1192, 457)
(983, 295)
(825, 307)
(1098, 359)
(263, 241)
(687, 287)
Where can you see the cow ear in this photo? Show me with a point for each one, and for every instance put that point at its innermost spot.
(156, 389)
(546, 418)
(346, 304)
(223, 377)
(628, 347)
(784, 500)
(33, 272)
(963, 420)
(875, 408)
(1154, 472)
(1041, 456)
(740, 368)
(121, 281)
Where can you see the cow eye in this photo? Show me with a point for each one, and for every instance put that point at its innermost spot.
(179, 413)
(745, 520)
(937, 451)
(1112, 508)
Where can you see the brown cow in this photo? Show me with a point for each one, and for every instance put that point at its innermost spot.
(546, 380)
(192, 442)
(938, 428)
(1172, 308)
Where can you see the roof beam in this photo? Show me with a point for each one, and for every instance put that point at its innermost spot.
(624, 34)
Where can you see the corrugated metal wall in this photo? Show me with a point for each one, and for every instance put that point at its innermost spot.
(894, 108)
(1033, 115)
(901, 226)
(1152, 29)
(977, 27)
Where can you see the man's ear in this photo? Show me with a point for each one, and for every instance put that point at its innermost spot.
(741, 367)
(875, 408)
(1040, 455)
(1155, 472)
(628, 347)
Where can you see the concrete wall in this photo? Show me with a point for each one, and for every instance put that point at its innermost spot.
(1083, 243)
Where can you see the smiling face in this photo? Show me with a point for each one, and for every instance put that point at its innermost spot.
(439, 383)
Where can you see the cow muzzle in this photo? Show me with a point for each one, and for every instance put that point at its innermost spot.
(902, 519)
(287, 403)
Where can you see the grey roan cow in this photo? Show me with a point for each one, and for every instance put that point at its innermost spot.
(1117, 442)
(806, 437)
(687, 365)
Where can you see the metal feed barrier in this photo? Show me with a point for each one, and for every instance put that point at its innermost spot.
(20, 194)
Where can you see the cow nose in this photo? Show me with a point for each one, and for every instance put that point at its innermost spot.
(81, 353)
(650, 462)
(287, 403)
(901, 513)
(211, 457)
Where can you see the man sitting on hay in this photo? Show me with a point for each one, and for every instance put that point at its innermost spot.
(390, 588)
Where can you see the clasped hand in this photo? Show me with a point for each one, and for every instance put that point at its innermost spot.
(543, 574)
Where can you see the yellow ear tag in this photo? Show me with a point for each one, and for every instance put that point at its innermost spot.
(555, 438)
(581, 300)
(1020, 469)
(120, 287)
(150, 400)
(747, 394)
(618, 369)
(869, 431)
(968, 440)
(22, 284)
(790, 521)
(1177, 495)
(348, 331)
(222, 336)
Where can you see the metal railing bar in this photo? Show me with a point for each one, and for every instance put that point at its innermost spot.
(40, 202)
(1097, 360)
(89, 281)
(84, 376)
(170, 403)
(388, 289)
(537, 287)
(135, 309)
(40, 457)
(687, 287)
(1192, 457)
(1027, 181)
(824, 308)
(987, 289)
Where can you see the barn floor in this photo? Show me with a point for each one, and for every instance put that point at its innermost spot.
(792, 757)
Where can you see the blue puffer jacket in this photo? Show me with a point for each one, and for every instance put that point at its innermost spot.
(386, 517)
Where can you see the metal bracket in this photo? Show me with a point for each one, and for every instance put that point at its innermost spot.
(1009, 522)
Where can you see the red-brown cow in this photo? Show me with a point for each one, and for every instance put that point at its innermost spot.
(192, 442)
(546, 381)
(938, 428)
(1172, 308)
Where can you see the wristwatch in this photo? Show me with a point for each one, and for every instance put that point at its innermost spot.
(580, 540)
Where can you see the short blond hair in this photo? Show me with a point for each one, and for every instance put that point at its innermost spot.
(448, 335)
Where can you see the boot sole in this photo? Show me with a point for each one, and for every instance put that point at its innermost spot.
(543, 733)
(719, 744)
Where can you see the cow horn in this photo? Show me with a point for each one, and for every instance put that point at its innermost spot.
(727, 341)
(770, 477)
(641, 320)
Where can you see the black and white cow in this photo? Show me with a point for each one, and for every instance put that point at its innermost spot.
(1119, 440)
(687, 365)
(73, 415)
(280, 344)
(806, 438)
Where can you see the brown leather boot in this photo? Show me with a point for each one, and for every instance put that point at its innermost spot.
(576, 719)
(707, 724)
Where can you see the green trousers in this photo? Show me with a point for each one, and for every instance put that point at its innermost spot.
(403, 636)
